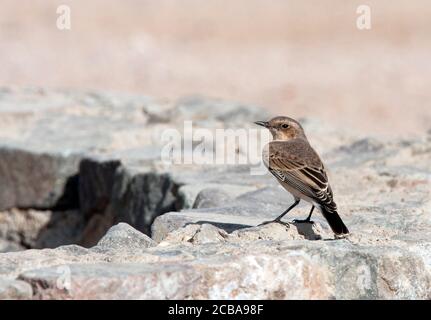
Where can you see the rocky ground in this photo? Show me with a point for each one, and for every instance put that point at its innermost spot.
(88, 210)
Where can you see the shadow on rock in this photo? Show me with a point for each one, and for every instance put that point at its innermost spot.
(228, 227)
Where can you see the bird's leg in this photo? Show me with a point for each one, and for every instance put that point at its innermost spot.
(308, 220)
(287, 210)
(278, 219)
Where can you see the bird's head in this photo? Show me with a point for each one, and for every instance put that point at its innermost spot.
(283, 128)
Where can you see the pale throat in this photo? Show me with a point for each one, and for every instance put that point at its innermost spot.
(285, 136)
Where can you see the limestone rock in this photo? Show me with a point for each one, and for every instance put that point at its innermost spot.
(211, 197)
(40, 229)
(123, 237)
(31, 180)
(201, 195)
(74, 164)
(279, 232)
(240, 212)
(262, 269)
(125, 281)
(195, 234)
(14, 289)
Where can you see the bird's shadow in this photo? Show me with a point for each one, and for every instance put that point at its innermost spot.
(304, 228)
(228, 227)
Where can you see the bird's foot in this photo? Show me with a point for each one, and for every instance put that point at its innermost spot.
(275, 221)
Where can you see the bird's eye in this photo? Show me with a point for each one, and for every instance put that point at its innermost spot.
(285, 126)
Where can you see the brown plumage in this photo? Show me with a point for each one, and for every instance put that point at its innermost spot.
(299, 169)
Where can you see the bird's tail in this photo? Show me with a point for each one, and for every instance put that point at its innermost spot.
(334, 220)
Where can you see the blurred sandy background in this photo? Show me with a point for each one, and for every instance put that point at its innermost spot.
(297, 58)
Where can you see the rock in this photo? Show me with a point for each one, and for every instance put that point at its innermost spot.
(204, 262)
(97, 152)
(195, 234)
(63, 228)
(144, 197)
(40, 229)
(10, 246)
(125, 281)
(74, 164)
(95, 228)
(14, 289)
(172, 221)
(280, 232)
(22, 226)
(240, 212)
(123, 236)
(211, 198)
(262, 269)
(51, 185)
(214, 194)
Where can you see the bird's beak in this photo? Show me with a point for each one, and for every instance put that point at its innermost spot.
(262, 123)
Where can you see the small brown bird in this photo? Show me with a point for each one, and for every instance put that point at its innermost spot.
(298, 168)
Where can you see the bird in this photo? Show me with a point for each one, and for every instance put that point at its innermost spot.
(299, 169)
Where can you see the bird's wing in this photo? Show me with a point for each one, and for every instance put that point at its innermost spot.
(298, 165)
